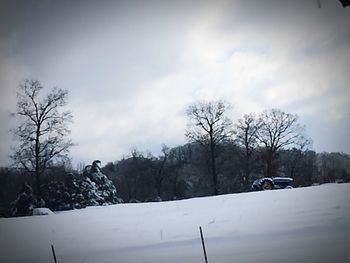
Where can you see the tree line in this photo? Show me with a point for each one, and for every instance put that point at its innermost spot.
(220, 156)
(186, 172)
(183, 172)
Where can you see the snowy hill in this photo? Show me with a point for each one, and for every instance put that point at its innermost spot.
(295, 225)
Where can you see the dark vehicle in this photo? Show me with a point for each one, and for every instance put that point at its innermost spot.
(267, 183)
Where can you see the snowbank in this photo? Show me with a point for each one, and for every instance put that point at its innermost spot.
(42, 211)
(296, 225)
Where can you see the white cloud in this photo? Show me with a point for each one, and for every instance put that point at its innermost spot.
(11, 73)
(133, 68)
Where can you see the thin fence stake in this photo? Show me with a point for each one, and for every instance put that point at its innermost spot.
(205, 252)
(53, 253)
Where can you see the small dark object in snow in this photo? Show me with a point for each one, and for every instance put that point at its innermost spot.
(203, 245)
(53, 253)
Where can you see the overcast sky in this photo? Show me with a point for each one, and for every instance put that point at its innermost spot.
(132, 67)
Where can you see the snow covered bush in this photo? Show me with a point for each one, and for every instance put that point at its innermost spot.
(24, 203)
(106, 192)
(90, 188)
(42, 211)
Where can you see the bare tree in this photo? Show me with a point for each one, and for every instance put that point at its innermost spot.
(209, 126)
(279, 130)
(160, 169)
(178, 157)
(246, 130)
(42, 133)
(295, 156)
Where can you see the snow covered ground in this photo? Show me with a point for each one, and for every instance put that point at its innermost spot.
(296, 225)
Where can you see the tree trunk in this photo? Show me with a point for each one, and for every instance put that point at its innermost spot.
(159, 179)
(213, 165)
(269, 164)
(159, 186)
(37, 167)
(175, 189)
(129, 188)
(247, 170)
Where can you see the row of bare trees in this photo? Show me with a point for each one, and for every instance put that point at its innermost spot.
(271, 131)
(221, 156)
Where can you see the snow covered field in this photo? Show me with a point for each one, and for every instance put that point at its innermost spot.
(299, 225)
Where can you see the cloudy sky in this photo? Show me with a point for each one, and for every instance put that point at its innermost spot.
(132, 67)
